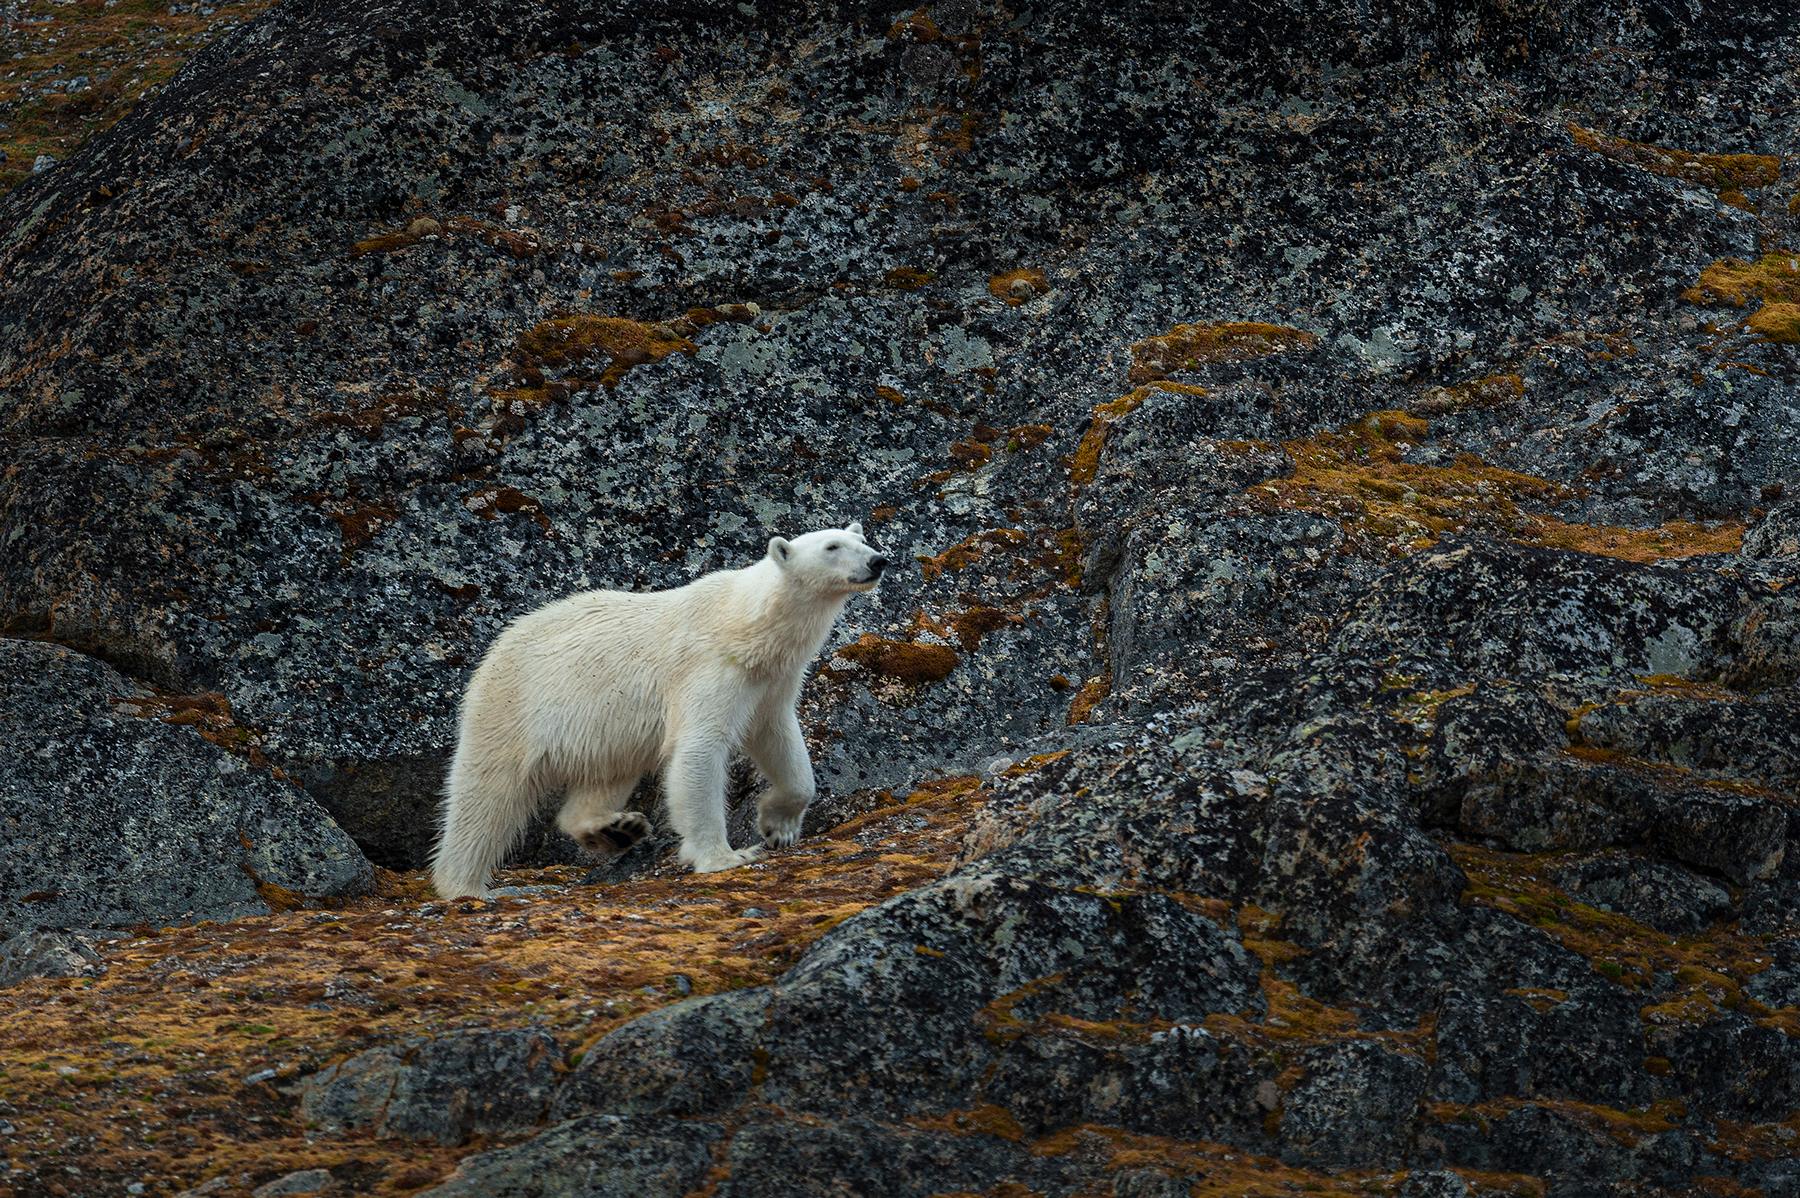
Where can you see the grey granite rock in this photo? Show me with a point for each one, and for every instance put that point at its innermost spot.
(443, 1089)
(49, 955)
(110, 819)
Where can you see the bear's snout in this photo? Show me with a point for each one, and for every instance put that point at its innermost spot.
(877, 565)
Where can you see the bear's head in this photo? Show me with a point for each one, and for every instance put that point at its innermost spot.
(832, 561)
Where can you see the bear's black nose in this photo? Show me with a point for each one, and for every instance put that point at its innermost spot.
(877, 565)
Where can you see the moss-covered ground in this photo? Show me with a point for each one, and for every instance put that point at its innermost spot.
(74, 69)
(140, 1075)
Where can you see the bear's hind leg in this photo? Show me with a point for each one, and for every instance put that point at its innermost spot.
(779, 751)
(484, 813)
(591, 817)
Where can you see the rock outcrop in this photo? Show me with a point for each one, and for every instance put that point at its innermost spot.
(117, 812)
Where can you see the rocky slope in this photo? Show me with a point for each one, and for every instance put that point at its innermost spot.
(1347, 457)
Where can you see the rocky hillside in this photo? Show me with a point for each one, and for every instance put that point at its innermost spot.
(1340, 732)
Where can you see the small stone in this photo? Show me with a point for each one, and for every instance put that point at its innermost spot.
(42, 163)
(1021, 289)
(423, 225)
(306, 1181)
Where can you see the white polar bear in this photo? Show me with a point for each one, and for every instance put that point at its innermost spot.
(596, 690)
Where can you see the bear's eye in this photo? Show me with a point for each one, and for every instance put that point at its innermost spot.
(832, 548)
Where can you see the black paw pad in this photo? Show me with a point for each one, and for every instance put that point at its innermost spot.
(626, 831)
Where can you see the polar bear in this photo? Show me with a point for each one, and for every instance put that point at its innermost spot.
(594, 691)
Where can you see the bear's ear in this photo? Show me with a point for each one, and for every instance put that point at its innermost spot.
(779, 548)
(854, 530)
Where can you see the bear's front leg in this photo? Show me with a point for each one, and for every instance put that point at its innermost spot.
(694, 783)
(779, 750)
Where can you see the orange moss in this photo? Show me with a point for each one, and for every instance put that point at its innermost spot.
(969, 550)
(489, 501)
(1678, 538)
(1189, 346)
(370, 421)
(517, 244)
(1387, 506)
(577, 962)
(625, 343)
(1086, 463)
(1774, 279)
(1487, 392)
(209, 714)
(972, 624)
(1777, 322)
(983, 1120)
(1002, 286)
(1209, 1170)
(1486, 1184)
(1090, 696)
(903, 661)
(1359, 477)
(1746, 1142)
(905, 278)
(125, 48)
(1709, 967)
(1725, 174)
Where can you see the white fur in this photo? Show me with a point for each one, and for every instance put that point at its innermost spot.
(596, 690)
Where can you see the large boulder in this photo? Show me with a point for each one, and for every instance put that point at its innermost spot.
(111, 817)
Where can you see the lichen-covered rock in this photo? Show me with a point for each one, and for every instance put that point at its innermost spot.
(112, 818)
(48, 955)
(601, 1156)
(443, 1089)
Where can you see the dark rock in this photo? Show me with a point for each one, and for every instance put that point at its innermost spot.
(601, 1156)
(1750, 738)
(1734, 835)
(111, 819)
(48, 955)
(444, 1089)
(1357, 1102)
(1667, 897)
(1776, 535)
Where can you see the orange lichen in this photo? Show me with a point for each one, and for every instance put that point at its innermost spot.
(209, 714)
(1006, 285)
(1190, 346)
(303, 989)
(1090, 696)
(903, 661)
(1725, 174)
